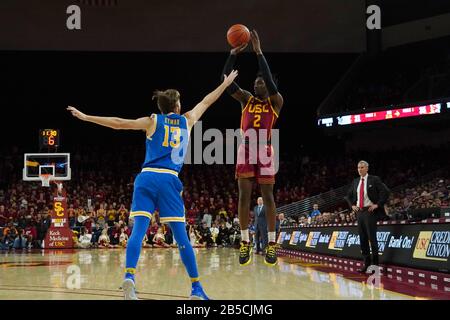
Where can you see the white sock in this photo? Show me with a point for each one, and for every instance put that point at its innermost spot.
(271, 236)
(245, 236)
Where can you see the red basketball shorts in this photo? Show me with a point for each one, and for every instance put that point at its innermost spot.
(256, 161)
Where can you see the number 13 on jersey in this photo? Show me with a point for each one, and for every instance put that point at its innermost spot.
(174, 133)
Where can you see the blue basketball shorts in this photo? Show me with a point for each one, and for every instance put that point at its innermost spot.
(159, 189)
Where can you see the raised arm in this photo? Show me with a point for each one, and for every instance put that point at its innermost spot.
(234, 90)
(275, 96)
(144, 123)
(195, 114)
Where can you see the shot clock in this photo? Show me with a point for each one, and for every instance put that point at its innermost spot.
(48, 139)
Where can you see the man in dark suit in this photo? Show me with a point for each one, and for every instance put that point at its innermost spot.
(367, 196)
(260, 226)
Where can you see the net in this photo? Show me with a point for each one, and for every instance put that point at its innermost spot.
(45, 179)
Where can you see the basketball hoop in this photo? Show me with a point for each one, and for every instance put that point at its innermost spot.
(45, 179)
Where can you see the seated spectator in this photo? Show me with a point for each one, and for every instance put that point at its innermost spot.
(123, 239)
(159, 240)
(302, 221)
(145, 243)
(76, 243)
(228, 223)
(114, 235)
(315, 211)
(8, 238)
(84, 241)
(222, 238)
(197, 236)
(126, 229)
(235, 235)
(192, 235)
(214, 233)
(168, 235)
(20, 242)
(151, 232)
(30, 233)
(103, 240)
(283, 220)
(96, 233)
(205, 235)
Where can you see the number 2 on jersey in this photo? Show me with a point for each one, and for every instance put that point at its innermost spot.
(256, 121)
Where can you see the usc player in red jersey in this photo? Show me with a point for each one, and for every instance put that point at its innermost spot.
(255, 154)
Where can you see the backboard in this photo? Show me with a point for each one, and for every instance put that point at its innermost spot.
(46, 167)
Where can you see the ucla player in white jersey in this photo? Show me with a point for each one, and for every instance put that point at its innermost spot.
(158, 186)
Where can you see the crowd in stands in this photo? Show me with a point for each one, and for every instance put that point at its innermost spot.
(431, 194)
(99, 195)
(318, 218)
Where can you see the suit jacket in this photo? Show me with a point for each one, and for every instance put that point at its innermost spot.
(377, 192)
(260, 219)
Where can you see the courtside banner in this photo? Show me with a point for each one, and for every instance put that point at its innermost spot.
(422, 246)
(59, 235)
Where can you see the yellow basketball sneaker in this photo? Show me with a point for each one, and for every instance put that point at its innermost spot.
(271, 254)
(245, 253)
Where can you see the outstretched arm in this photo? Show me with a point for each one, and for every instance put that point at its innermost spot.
(275, 96)
(145, 123)
(195, 114)
(234, 90)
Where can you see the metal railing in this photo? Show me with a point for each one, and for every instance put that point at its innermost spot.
(324, 200)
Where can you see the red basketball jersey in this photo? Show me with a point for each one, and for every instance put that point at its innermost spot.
(258, 115)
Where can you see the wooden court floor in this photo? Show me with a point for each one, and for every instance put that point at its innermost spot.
(97, 274)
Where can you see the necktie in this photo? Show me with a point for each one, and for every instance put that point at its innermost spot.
(361, 194)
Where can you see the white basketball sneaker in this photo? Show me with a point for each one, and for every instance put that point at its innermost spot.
(129, 290)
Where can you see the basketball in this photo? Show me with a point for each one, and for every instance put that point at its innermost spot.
(237, 35)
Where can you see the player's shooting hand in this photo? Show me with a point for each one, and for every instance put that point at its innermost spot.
(239, 49)
(76, 113)
(255, 41)
(228, 79)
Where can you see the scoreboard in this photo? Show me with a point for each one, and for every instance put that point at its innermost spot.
(387, 114)
(48, 139)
